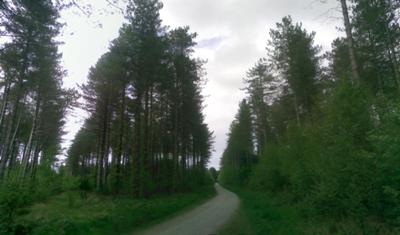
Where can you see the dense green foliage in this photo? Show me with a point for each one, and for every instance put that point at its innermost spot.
(262, 213)
(270, 213)
(332, 146)
(97, 214)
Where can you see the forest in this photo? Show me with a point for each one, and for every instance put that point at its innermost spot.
(312, 149)
(319, 131)
(145, 134)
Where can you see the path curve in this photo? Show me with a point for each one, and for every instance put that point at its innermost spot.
(205, 219)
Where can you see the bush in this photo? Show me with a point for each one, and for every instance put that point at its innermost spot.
(13, 196)
(46, 183)
(386, 144)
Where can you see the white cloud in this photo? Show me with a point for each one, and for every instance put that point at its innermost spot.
(212, 43)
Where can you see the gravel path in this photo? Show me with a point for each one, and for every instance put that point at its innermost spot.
(202, 220)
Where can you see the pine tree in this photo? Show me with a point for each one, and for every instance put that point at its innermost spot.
(261, 88)
(375, 32)
(34, 103)
(238, 156)
(295, 57)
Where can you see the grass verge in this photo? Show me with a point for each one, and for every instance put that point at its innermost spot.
(263, 213)
(69, 214)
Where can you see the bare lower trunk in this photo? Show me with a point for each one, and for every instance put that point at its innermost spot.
(137, 152)
(350, 43)
(146, 161)
(175, 152)
(12, 132)
(5, 104)
(98, 165)
(107, 151)
(35, 161)
(121, 139)
(102, 153)
(296, 110)
(11, 136)
(27, 153)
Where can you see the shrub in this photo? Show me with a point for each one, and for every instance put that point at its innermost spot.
(13, 196)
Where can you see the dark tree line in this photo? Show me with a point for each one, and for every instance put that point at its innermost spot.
(325, 134)
(146, 132)
(239, 157)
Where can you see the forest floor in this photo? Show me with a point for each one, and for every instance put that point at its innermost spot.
(203, 220)
(69, 213)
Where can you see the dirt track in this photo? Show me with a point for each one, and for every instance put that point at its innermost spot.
(205, 219)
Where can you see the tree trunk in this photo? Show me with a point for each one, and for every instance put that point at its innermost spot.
(146, 161)
(296, 110)
(35, 161)
(137, 155)
(27, 152)
(350, 43)
(102, 152)
(107, 148)
(121, 139)
(11, 136)
(16, 116)
(4, 104)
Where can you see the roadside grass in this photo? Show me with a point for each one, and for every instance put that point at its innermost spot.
(68, 213)
(238, 225)
(261, 213)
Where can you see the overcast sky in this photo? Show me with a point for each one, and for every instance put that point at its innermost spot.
(232, 36)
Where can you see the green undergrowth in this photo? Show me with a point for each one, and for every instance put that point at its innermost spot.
(261, 213)
(70, 213)
(275, 214)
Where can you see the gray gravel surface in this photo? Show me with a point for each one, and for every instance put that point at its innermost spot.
(205, 219)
